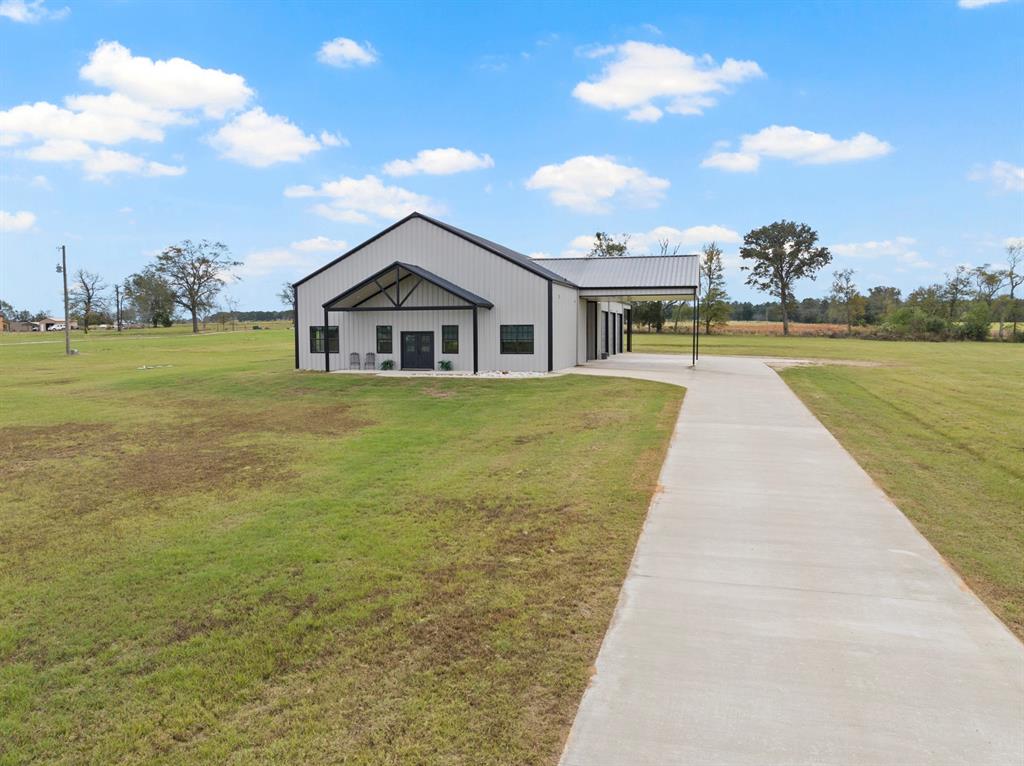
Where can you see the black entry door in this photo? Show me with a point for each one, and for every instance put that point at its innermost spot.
(417, 350)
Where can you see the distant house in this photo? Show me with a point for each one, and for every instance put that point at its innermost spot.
(42, 325)
(423, 291)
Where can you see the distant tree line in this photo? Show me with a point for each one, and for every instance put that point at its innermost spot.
(963, 306)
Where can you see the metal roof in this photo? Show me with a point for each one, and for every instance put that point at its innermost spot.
(630, 271)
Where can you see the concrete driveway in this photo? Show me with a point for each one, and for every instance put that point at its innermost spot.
(781, 610)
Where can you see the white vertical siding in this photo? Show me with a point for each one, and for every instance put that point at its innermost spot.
(565, 309)
(519, 297)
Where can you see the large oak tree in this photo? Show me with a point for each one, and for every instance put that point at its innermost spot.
(780, 254)
(196, 272)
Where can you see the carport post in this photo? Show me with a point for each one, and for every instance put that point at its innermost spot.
(697, 336)
(693, 340)
(327, 348)
(629, 329)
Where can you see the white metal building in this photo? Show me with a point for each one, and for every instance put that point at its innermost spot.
(422, 291)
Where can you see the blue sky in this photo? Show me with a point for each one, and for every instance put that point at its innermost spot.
(291, 131)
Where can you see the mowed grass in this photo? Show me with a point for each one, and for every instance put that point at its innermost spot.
(939, 426)
(222, 560)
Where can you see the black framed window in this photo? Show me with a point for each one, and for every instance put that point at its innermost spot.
(383, 339)
(449, 339)
(517, 339)
(316, 339)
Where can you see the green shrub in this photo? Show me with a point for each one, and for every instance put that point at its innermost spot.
(445, 364)
(387, 364)
(911, 322)
(976, 324)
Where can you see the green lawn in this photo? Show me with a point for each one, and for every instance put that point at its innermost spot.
(940, 427)
(218, 559)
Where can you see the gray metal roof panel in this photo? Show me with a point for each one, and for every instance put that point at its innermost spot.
(628, 271)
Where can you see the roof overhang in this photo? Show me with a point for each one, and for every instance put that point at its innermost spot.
(627, 294)
(397, 283)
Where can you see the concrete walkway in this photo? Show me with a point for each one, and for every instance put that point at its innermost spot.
(781, 610)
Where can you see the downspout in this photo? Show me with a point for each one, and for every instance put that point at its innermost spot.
(295, 321)
(551, 327)
(327, 347)
(476, 367)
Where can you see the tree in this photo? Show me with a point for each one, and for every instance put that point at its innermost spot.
(196, 272)
(607, 246)
(713, 297)
(287, 298)
(987, 284)
(781, 253)
(1014, 277)
(847, 302)
(880, 302)
(152, 296)
(929, 299)
(650, 313)
(957, 286)
(86, 295)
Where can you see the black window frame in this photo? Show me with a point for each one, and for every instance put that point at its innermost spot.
(445, 340)
(316, 339)
(389, 340)
(516, 345)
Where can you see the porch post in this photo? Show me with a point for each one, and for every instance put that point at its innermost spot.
(629, 329)
(693, 340)
(697, 336)
(327, 348)
(476, 365)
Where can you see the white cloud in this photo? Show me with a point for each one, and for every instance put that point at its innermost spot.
(802, 146)
(344, 53)
(20, 221)
(263, 262)
(258, 139)
(1013, 241)
(643, 242)
(175, 83)
(319, 245)
(971, 4)
(99, 163)
(30, 11)
(439, 162)
(643, 72)
(588, 183)
(125, 210)
(1004, 176)
(41, 182)
(360, 200)
(333, 139)
(111, 119)
(899, 250)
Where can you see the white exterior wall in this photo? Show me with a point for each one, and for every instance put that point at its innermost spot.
(519, 297)
(565, 308)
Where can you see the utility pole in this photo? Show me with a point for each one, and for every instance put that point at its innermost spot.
(117, 306)
(62, 267)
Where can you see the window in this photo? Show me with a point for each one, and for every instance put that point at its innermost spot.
(316, 339)
(383, 339)
(517, 339)
(449, 339)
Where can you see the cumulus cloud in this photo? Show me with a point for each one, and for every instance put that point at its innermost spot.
(642, 74)
(23, 220)
(1004, 176)
(899, 250)
(146, 97)
(971, 4)
(588, 184)
(361, 200)
(802, 146)
(258, 139)
(343, 53)
(30, 11)
(319, 244)
(333, 139)
(296, 258)
(175, 83)
(439, 162)
(98, 164)
(644, 242)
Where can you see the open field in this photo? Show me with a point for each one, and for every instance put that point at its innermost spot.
(940, 427)
(218, 559)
